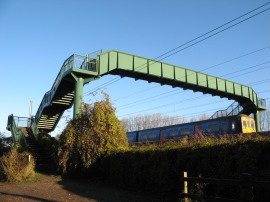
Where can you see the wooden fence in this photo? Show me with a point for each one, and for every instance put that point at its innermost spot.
(245, 183)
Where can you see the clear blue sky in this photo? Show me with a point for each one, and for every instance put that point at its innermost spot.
(37, 36)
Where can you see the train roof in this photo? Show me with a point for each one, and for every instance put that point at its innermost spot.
(190, 123)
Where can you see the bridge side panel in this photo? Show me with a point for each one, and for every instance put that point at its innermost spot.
(125, 64)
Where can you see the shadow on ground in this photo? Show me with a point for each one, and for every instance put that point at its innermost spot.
(104, 193)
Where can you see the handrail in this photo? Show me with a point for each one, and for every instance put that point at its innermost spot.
(74, 61)
(34, 127)
(261, 103)
(13, 126)
(233, 109)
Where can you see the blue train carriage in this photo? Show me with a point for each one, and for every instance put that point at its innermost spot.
(224, 125)
(178, 131)
(149, 135)
(132, 137)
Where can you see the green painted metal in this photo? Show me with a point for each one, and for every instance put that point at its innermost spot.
(257, 120)
(14, 126)
(78, 70)
(124, 64)
(78, 97)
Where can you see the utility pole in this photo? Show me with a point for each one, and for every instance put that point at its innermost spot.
(30, 109)
(30, 114)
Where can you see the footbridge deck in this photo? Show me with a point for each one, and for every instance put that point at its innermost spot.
(79, 70)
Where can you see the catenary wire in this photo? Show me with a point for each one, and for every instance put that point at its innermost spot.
(177, 51)
(221, 63)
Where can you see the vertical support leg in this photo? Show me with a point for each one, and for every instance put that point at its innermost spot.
(257, 120)
(78, 97)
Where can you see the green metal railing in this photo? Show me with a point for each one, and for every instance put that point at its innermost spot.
(262, 103)
(14, 125)
(74, 61)
(235, 108)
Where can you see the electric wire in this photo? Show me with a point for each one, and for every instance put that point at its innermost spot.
(153, 97)
(145, 100)
(179, 102)
(175, 50)
(221, 63)
(198, 113)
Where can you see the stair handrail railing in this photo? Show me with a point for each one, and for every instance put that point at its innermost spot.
(234, 109)
(74, 61)
(17, 134)
(261, 103)
(34, 127)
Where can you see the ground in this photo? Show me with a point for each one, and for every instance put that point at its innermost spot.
(54, 188)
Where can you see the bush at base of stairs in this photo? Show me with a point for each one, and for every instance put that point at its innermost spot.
(16, 166)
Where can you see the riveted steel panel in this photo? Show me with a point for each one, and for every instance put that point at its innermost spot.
(245, 91)
(202, 79)
(221, 85)
(237, 89)
(251, 94)
(180, 74)
(168, 71)
(163, 73)
(113, 60)
(191, 77)
(155, 68)
(212, 82)
(140, 65)
(229, 87)
(255, 98)
(103, 64)
(125, 61)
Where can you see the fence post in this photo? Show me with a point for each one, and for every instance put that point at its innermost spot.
(185, 187)
(246, 188)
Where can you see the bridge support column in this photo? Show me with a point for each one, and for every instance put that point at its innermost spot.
(78, 97)
(257, 120)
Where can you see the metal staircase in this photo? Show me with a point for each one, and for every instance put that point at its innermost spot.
(234, 109)
(62, 94)
(23, 134)
(77, 70)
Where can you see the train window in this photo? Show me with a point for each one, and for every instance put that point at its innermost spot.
(213, 128)
(244, 124)
(233, 126)
(248, 123)
(224, 126)
(152, 135)
(252, 124)
(173, 132)
(144, 137)
(185, 131)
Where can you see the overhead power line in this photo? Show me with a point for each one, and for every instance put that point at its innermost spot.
(221, 63)
(198, 39)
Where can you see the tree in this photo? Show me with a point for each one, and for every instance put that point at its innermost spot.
(94, 133)
(141, 122)
(5, 143)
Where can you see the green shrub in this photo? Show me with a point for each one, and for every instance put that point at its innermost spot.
(158, 169)
(16, 167)
(94, 133)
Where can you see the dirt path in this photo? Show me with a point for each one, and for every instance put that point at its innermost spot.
(54, 188)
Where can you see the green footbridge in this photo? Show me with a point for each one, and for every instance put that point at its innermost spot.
(77, 71)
